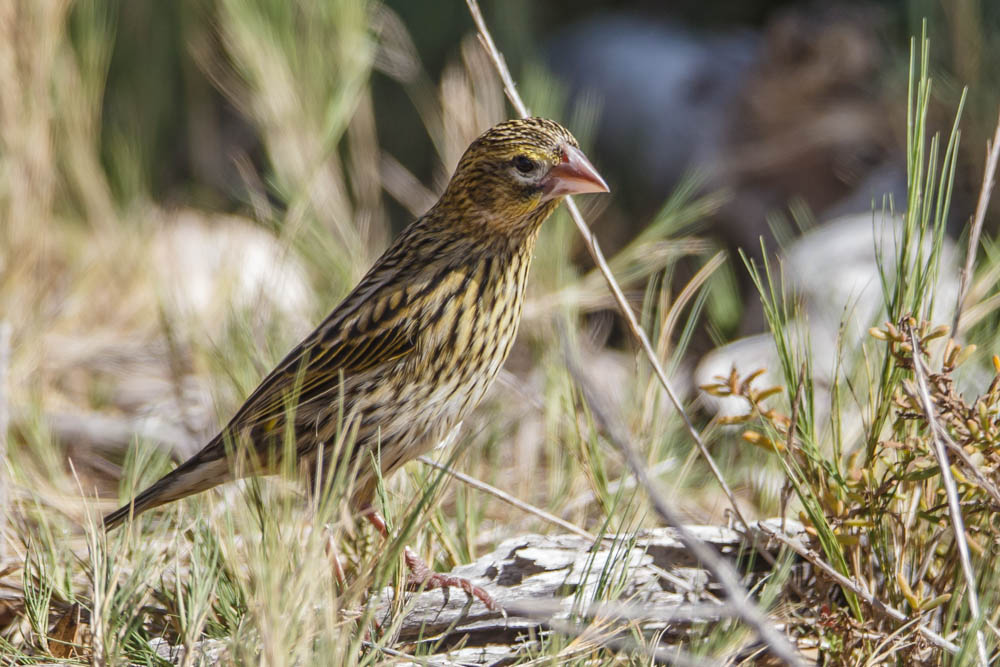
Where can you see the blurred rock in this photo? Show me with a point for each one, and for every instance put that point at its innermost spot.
(795, 112)
(211, 265)
(833, 273)
(663, 91)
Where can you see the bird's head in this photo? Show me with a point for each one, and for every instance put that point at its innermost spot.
(517, 172)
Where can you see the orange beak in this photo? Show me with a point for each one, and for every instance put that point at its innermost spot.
(573, 176)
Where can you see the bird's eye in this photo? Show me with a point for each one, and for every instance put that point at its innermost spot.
(525, 164)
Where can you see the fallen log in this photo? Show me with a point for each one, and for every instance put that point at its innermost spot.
(647, 580)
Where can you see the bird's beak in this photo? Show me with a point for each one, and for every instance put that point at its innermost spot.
(573, 176)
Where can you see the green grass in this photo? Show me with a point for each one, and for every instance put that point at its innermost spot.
(875, 500)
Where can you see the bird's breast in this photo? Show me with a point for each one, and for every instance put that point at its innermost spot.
(468, 324)
(472, 334)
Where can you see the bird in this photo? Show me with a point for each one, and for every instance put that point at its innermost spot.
(415, 345)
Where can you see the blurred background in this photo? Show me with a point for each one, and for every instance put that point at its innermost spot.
(777, 102)
(188, 186)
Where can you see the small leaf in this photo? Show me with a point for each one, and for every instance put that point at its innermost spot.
(875, 332)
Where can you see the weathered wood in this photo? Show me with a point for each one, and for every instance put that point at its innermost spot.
(541, 580)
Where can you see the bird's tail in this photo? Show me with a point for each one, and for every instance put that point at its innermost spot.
(199, 473)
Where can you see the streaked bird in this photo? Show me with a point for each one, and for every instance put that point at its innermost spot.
(414, 347)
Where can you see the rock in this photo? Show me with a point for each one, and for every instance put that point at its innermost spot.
(211, 265)
(833, 272)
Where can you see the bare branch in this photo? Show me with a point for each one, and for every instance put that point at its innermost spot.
(595, 252)
(951, 491)
(989, 175)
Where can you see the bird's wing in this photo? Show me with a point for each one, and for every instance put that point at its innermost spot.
(314, 369)
(371, 327)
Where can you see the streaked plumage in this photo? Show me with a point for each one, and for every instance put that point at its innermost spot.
(414, 347)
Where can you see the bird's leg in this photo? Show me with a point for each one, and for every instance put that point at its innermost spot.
(331, 542)
(334, 556)
(423, 576)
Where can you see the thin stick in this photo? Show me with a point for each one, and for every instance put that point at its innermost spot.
(989, 175)
(644, 612)
(507, 498)
(858, 590)
(951, 491)
(595, 252)
(486, 39)
(724, 573)
(393, 653)
(970, 465)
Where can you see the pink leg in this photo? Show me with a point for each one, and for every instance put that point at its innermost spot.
(376, 520)
(423, 576)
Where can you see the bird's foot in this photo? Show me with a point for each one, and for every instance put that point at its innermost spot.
(421, 576)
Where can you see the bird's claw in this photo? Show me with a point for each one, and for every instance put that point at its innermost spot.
(421, 576)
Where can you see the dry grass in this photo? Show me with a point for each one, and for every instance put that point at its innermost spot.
(101, 327)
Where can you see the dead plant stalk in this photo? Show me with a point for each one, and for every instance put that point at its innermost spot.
(860, 591)
(985, 191)
(951, 491)
(598, 256)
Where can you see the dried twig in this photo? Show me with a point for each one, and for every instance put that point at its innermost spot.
(726, 575)
(989, 175)
(507, 498)
(951, 492)
(595, 252)
(749, 612)
(691, 612)
(858, 590)
(393, 653)
(970, 466)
